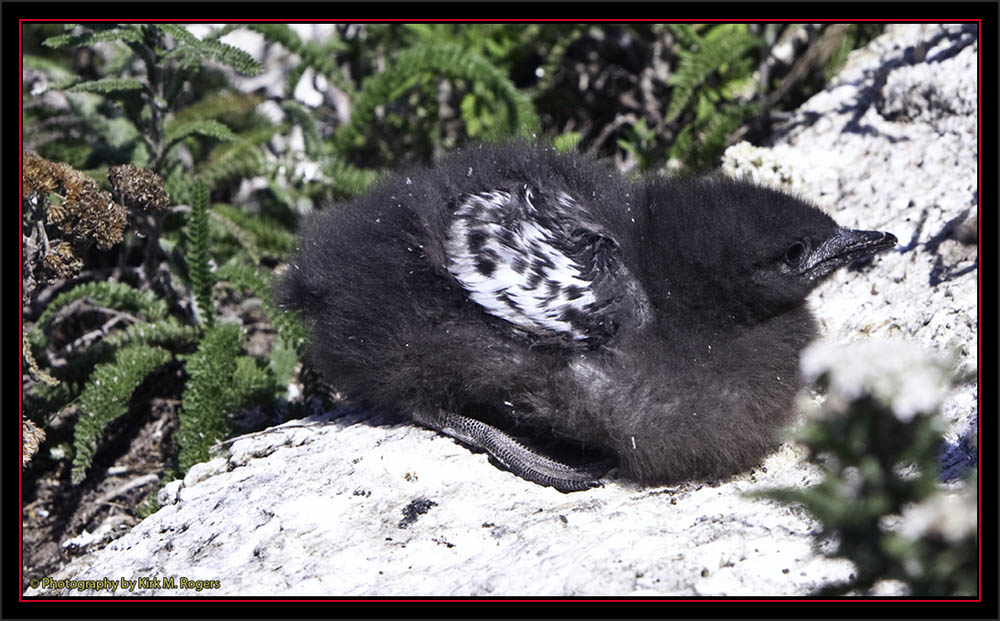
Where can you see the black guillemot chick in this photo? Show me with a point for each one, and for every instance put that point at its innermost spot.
(513, 289)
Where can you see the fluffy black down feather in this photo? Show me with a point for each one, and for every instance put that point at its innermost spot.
(659, 322)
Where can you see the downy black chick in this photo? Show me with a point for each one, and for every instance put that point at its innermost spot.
(658, 323)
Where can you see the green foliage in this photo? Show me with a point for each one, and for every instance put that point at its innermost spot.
(159, 330)
(260, 283)
(317, 56)
(495, 102)
(108, 369)
(714, 69)
(197, 257)
(194, 51)
(289, 346)
(107, 396)
(310, 130)
(234, 110)
(347, 180)
(149, 506)
(204, 127)
(167, 333)
(61, 77)
(221, 381)
(148, 116)
(237, 159)
(686, 35)
(135, 116)
(721, 53)
(108, 293)
(128, 33)
(567, 143)
(640, 141)
(108, 85)
(41, 403)
(160, 104)
(715, 130)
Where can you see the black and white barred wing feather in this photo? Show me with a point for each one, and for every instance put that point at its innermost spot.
(535, 260)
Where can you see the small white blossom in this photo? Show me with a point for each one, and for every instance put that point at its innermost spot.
(951, 516)
(743, 160)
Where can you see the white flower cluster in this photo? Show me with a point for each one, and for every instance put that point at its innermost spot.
(951, 516)
(901, 375)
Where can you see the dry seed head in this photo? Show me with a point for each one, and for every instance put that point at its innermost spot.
(139, 188)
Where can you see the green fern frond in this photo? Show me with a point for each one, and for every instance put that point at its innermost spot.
(221, 382)
(90, 123)
(111, 294)
(106, 398)
(428, 33)
(683, 143)
(121, 33)
(58, 41)
(685, 35)
(713, 56)
(107, 85)
(714, 134)
(198, 256)
(168, 333)
(567, 143)
(205, 404)
(347, 180)
(206, 127)
(226, 54)
(448, 61)
(159, 329)
(240, 159)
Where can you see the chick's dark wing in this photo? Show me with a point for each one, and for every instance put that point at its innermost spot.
(536, 260)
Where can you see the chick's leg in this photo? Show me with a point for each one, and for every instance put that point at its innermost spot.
(516, 457)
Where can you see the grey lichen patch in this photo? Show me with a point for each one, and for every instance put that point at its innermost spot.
(416, 508)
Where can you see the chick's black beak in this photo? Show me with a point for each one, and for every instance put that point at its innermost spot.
(845, 247)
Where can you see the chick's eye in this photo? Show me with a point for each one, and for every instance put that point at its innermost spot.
(795, 253)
